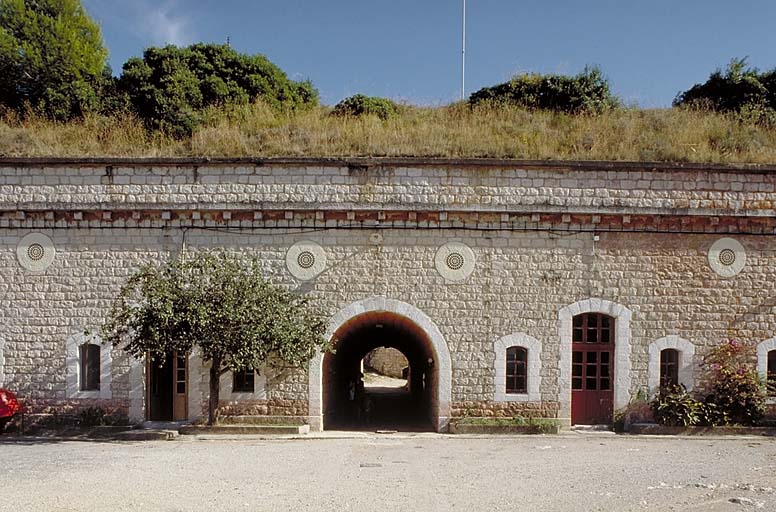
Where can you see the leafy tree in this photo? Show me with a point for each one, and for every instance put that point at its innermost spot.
(587, 92)
(361, 105)
(51, 57)
(219, 304)
(739, 89)
(170, 87)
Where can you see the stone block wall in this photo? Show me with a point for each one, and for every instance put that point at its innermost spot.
(543, 237)
(386, 361)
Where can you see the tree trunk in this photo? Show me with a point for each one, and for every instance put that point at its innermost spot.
(215, 387)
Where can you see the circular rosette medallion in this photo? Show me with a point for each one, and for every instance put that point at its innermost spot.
(35, 252)
(454, 261)
(305, 260)
(727, 257)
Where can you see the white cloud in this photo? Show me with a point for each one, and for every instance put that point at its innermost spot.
(164, 26)
(153, 23)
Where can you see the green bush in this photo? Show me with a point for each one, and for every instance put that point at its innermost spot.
(739, 89)
(361, 105)
(587, 92)
(673, 406)
(736, 389)
(170, 87)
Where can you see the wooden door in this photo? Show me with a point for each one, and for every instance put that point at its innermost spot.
(180, 387)
(592, 369)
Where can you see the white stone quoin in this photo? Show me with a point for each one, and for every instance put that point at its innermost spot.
(2, 362)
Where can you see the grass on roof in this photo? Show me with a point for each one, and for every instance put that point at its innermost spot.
(455, 131)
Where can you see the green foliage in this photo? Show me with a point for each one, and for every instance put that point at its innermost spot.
(219, 304)
(170, 87)
(739, 89)
(737, 391)
(736, 394)
(52, 58)
(710, 414)
(361, 105)
(673, 406)
(587, 92)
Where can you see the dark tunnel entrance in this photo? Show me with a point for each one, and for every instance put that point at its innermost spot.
(350, 405)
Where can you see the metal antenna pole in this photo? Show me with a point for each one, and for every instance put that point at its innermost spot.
(463, 53)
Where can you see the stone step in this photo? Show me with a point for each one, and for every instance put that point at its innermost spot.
(261, 420)
(245, 429)
(145, 434)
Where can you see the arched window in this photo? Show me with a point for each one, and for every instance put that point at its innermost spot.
(89, 360)
(89, 366)
(766, 366)
(517, 368)
(671, 363)
(669, 367)
(517, 360)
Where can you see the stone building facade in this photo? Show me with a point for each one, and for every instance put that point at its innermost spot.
(483, 273)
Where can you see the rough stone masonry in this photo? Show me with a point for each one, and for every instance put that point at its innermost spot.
(474, 256)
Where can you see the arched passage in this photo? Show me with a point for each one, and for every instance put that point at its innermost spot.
(363, 326)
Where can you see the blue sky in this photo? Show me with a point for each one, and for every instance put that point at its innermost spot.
(411, 49)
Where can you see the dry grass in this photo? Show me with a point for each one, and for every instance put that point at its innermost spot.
(451, 131)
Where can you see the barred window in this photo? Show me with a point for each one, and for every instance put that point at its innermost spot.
(517, 358)
(244, 381)
(669, 367)
(593, 328)
(89, 355)
(772, 373)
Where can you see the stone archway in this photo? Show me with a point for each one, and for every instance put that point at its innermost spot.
(414, 318)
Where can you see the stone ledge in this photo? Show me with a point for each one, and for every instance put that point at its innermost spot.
(245, 429)
(484, 428)
(384, 162)
(655, 429)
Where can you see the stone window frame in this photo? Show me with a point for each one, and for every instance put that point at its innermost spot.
(73, 367)
(259, 386)
(533, 368)
(762, 362)
(622, 350)
(686, 352)
(2, 362)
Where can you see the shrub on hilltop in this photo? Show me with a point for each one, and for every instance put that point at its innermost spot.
(361, 105)
(170, 87)
(739, 89)
(586, 93)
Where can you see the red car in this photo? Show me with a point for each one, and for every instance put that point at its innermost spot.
(9, 407)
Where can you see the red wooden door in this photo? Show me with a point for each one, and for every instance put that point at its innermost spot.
(592, 369)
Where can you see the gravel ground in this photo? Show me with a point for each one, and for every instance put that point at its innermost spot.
(581, 472)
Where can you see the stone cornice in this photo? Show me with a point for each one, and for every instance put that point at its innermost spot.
(382, 162)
